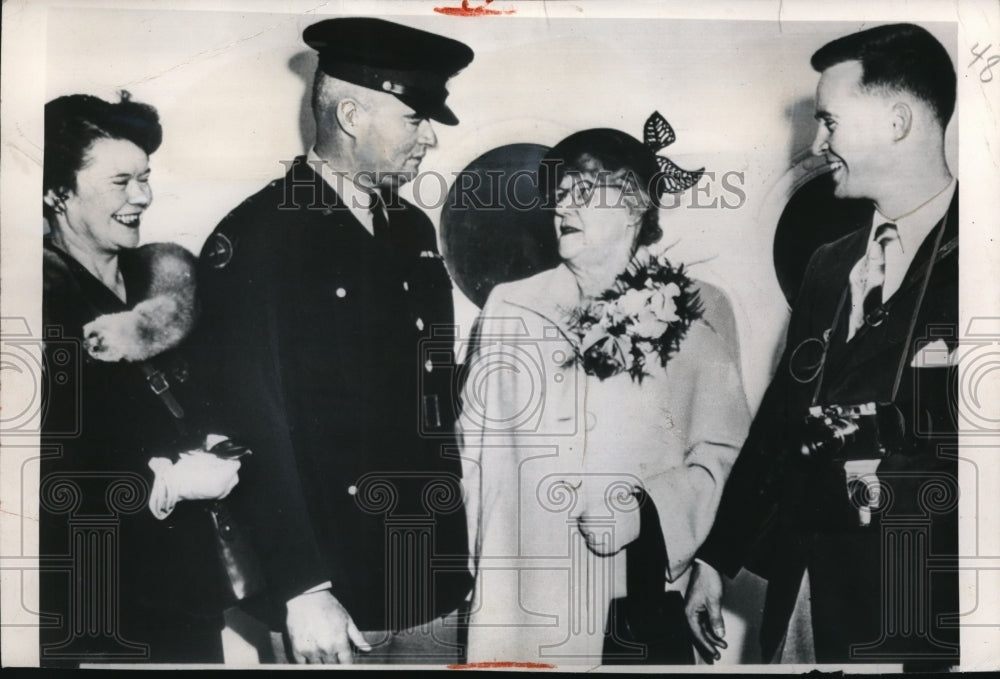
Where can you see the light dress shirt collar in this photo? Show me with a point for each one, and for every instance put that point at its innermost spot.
(356, 198)
(912, 229)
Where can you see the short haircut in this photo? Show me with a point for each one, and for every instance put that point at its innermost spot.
(74, 122)
(898, 57)
(328, 91)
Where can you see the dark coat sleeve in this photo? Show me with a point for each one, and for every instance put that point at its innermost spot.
(750, 501)
(240, 342)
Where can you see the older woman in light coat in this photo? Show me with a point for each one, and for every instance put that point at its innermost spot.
(573, 466)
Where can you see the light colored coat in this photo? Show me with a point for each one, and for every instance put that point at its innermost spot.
(544, 442)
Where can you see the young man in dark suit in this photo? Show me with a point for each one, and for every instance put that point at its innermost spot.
(319, 293)
(851, 515)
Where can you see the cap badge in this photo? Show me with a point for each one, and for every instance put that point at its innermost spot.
(392, 87)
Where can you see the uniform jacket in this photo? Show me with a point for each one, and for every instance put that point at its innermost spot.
(102, 423)
(535, 428)
(780, 515)
(332, 352)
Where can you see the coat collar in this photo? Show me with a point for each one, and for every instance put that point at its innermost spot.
(552, 294)
(161, 308)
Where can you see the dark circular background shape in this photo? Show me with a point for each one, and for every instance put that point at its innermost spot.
(812, 217)
(493, 229)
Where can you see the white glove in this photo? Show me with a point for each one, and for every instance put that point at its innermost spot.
(197, 475)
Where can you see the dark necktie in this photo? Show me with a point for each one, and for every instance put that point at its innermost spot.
(380, 222)
(872, 305)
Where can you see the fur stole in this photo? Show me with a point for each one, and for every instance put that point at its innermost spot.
(164, 284)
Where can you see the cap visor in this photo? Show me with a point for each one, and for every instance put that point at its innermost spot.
(443, 115)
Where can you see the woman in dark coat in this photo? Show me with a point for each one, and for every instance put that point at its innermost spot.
(129, 567)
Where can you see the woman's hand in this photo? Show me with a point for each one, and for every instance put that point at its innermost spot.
(197, 475)
(609, 519)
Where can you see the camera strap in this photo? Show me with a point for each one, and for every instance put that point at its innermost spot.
(937, 253)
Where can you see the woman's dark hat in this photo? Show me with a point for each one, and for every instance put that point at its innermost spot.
(411, 64)
(616, 149)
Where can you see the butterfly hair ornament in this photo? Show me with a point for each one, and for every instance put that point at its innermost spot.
(658, 135)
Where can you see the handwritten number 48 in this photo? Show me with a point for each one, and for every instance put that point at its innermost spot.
(986, 75)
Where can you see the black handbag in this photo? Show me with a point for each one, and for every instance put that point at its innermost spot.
(237, 556)
(648, 626)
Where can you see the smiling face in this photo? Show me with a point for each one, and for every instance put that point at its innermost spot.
(594, 221)
(393, 140)
(855, 131)
(112, 191)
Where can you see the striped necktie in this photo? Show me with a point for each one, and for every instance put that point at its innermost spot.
(867, 280)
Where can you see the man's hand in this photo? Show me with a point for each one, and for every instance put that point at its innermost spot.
(321, 630)
(703, 608)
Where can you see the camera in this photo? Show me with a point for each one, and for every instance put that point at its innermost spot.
(852, 432)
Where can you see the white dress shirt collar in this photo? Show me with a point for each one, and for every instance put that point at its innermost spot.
(912, 229)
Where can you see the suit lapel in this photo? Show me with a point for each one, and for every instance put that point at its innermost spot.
(833, 317)
(884, 342)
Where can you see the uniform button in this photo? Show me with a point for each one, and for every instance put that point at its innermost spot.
(352, 490)
(420, 324)
(429, 365)
(341, 293)
(406, 286)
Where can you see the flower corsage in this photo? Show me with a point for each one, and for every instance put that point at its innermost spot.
(647, 312)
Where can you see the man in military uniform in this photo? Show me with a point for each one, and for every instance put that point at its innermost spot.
(319, 294)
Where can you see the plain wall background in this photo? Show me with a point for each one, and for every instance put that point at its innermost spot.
(230, 89)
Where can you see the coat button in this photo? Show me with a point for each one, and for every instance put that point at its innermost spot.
(406, 286)
(226, 531)
(420, 324)
(341, 293)
(352, 490)
(429, 365)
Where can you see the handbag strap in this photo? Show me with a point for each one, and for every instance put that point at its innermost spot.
(160, 386)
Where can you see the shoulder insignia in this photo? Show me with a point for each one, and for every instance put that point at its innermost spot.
(218, 250)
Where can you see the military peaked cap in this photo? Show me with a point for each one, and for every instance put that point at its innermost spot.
(411, 64)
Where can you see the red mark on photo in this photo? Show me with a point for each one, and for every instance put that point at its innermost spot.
(503, 666)
(477, 11)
